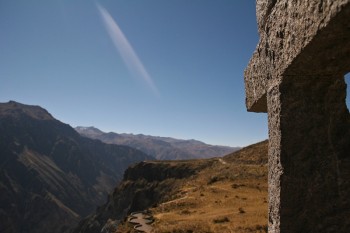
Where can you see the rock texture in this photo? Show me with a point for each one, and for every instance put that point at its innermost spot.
(50, 176)
(287, 29)
(296, 75)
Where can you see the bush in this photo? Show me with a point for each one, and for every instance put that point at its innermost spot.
(241, 210)
(213, 179)
(221, 220)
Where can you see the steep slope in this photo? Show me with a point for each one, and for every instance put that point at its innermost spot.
(50, 176)
(162, 148)
(226, 194)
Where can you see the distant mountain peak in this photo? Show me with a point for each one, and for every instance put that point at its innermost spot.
(90, 130)
(15, 109)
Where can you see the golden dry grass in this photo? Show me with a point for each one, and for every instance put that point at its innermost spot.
(229, 196)
(222, 198)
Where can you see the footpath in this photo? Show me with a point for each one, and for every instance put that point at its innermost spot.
(142, 221)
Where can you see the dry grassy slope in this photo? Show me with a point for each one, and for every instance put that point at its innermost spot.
(228, 195)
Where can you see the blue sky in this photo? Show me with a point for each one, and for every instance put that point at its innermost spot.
(174, 68)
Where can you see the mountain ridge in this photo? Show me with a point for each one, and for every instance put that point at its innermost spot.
(162, 148)
(15, 109)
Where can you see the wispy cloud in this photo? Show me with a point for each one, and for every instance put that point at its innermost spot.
(125, 49)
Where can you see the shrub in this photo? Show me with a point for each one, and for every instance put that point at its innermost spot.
(221, 220)
(241, 210)
(213, 179)
(185, 212)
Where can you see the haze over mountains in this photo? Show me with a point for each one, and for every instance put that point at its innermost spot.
(162, 148)
(50, 176)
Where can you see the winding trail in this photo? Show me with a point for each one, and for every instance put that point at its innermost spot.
(141, 221)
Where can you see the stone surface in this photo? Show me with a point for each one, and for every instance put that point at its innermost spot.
(296, 75)
(286, 29)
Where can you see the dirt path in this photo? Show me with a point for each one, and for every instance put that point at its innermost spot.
(222, 161)
(179, 199)
(142, 222)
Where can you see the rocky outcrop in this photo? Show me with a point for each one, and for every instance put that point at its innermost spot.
(50, 176)
(296, 75)
(158, 171)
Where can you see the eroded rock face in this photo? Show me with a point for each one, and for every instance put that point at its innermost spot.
(314, 156)
(296, 75)
(286, 30)
(263, 10)
(156, 171)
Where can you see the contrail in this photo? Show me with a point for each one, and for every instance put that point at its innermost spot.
(126, 51)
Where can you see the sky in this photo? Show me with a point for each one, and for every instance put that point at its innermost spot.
(163, 68)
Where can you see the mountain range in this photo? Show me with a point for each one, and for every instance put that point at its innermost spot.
(162, 148)
(50, 176)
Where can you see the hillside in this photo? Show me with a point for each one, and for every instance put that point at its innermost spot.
(50, 176)
(226, 194)
(162, 148)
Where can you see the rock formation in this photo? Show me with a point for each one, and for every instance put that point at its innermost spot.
(296, 75)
